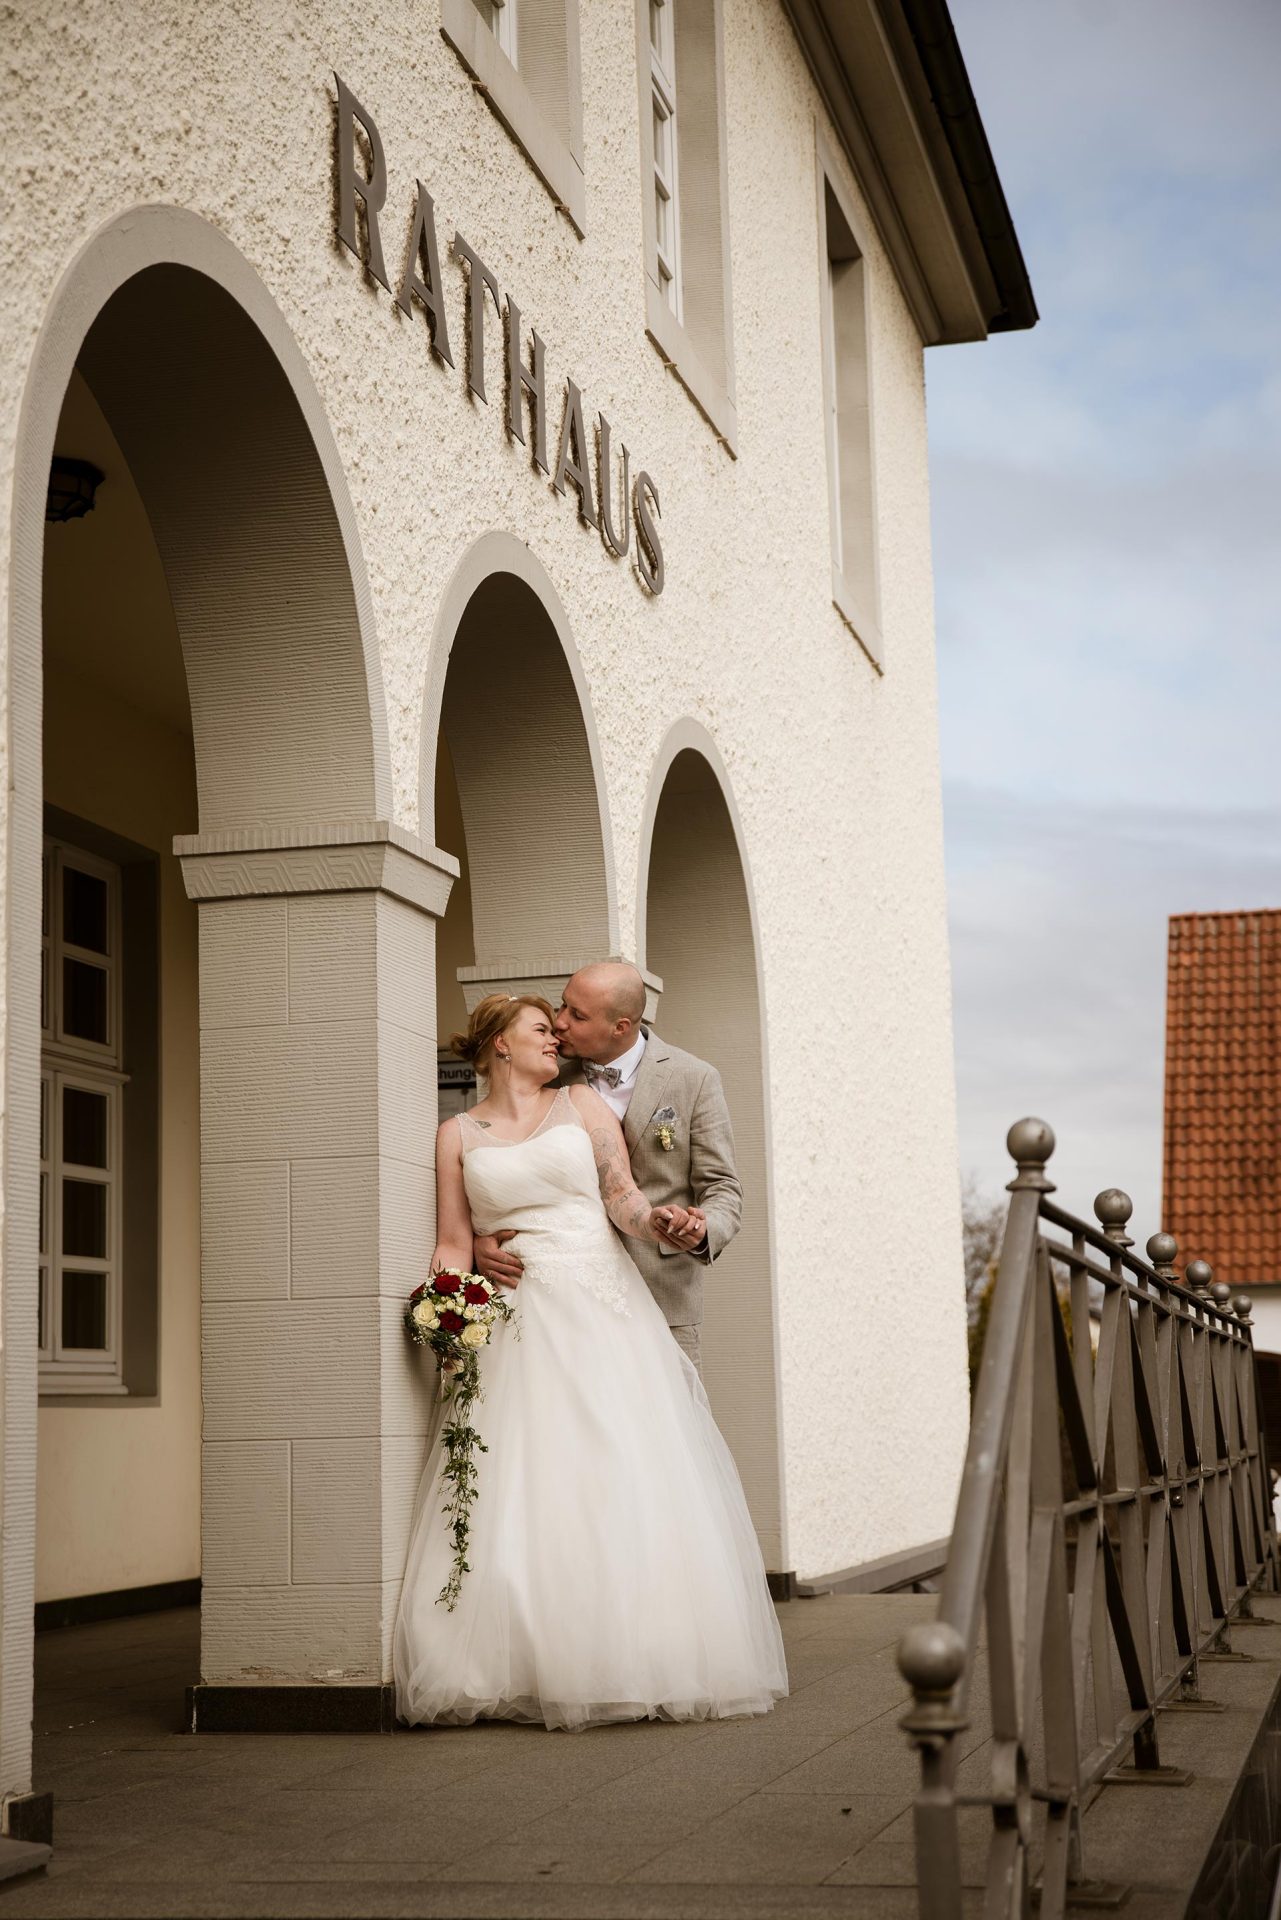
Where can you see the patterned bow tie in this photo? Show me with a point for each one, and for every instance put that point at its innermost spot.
(592, 1073)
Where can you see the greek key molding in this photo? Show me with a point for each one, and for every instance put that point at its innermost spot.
(342, 856)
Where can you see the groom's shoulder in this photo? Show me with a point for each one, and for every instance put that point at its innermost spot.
(677, 1059)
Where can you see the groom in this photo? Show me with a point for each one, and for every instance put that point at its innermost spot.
(677, 1129)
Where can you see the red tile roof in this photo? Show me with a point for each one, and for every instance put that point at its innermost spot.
(1223, 1093)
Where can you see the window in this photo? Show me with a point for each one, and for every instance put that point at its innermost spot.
(686, 206)
(847, 390)
(524, 57)
(81, 1131)
(662, 71)
(500, 17)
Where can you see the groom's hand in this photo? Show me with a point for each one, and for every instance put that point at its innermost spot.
(504, 1269)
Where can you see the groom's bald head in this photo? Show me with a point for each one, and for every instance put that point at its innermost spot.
(617, 985)
(601, 1010)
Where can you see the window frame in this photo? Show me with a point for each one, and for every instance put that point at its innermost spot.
(665, 174)
(861, 613)
(55, 948)
(555, 158)
(503, 23)
(94, 1067)
(715, 397)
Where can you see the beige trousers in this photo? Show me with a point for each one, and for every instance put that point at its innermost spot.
(690, 1341)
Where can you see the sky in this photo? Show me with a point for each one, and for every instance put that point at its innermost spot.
(1106, 511)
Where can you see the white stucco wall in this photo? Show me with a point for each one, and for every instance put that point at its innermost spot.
(1265, 1314)
(229, 114)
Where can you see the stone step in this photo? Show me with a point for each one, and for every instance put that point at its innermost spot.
(22, 1856)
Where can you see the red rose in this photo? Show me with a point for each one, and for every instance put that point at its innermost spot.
(452, 1322)
(476, 1293)
(417, 1293)
(446, 1283)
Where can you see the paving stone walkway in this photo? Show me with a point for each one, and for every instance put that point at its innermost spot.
(803, 1813)
(734, 1818)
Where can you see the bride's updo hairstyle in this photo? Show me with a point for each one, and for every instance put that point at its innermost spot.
(495, 1013)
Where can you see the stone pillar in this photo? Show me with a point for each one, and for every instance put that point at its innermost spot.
(318, 1120)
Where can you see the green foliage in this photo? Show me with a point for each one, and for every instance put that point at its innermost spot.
(459, 1474)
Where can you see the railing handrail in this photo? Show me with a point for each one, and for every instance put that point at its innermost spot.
(1169, 1411)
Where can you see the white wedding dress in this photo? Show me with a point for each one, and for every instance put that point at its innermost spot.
(615, 1573)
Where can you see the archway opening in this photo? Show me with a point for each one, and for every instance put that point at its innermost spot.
(699, 940)
(204, 669)
(517, 802)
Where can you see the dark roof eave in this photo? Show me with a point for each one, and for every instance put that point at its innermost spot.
(930, 25)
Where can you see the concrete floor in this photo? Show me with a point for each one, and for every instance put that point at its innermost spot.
(804, 1813)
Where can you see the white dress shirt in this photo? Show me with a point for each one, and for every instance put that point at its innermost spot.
(618, 1098)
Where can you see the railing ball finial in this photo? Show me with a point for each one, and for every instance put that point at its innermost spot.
(1198, 1274)
(931, 1658)
(1163, 1251)
(1029, 1144)
(1112, 1210)
(1221, 1294)
(1241, 1307)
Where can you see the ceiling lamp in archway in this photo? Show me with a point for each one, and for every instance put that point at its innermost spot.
(72, 486)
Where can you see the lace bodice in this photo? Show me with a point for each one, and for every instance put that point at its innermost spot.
(545, 1188)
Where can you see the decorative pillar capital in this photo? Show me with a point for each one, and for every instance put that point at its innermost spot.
(335, 856)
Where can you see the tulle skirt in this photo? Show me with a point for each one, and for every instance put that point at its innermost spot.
(615, 1573)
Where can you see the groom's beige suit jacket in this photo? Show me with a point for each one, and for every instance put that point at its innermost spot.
(698, 1170)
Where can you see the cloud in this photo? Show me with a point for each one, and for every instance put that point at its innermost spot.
(1106, 491)
(1059, 923)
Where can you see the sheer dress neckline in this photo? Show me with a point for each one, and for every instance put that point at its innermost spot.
(474, 1134)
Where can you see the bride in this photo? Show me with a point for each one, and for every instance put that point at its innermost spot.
(614, 1572)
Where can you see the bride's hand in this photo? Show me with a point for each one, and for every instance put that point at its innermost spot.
(668, 1223)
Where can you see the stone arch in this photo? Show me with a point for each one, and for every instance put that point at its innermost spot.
(507, 696)
(207, 393)
(262, 483)
(708, 959)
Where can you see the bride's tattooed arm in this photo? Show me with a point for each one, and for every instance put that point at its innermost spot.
(624, 1202)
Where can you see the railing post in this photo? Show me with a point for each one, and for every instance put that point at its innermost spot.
(931, 1658)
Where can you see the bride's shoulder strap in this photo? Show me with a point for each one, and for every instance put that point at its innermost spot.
(470, 1132)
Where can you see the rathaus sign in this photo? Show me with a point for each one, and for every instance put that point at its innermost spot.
(523, 382)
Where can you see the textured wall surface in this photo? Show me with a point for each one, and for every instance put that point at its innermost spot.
(228, 111)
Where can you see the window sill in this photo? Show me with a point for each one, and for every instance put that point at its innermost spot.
(860, 623)
(709, 395)
(555, 163)
(81, 1390)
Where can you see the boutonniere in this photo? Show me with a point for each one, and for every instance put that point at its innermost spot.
(665, 1128)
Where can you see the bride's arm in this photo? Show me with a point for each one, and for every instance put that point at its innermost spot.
(453, 1215)
(624, 1202)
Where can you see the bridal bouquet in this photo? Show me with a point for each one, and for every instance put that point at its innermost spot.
(454, 1314)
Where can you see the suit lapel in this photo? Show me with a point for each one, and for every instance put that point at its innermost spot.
(651, 1079)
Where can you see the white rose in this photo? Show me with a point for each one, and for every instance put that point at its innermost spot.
(475, 1335)
(471, 1312)
(423, 1315)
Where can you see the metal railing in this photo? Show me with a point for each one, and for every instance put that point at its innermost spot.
(1115, 1512)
